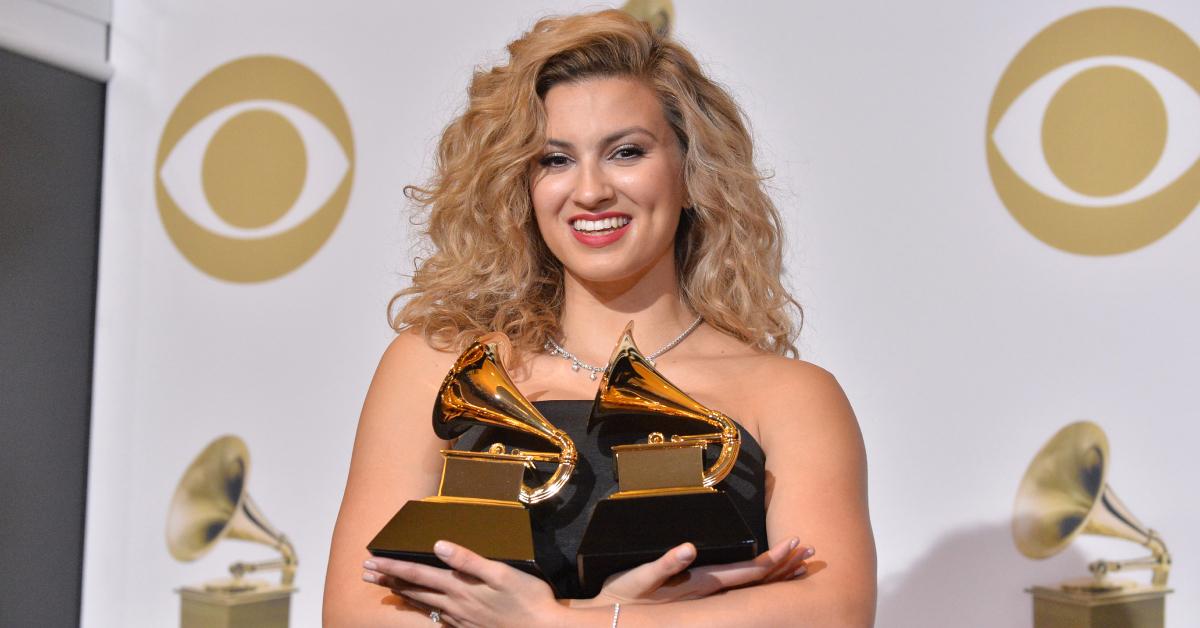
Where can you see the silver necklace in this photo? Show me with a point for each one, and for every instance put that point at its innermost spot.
(555, 349)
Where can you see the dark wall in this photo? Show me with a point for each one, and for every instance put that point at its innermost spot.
(51, 125)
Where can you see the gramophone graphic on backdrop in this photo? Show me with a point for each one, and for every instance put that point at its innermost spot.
(1065, 493)
(210, 504)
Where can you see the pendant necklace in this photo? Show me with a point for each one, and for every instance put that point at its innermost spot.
(555, 349)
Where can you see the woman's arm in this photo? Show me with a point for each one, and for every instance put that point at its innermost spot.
(817, 490)
(395, 459)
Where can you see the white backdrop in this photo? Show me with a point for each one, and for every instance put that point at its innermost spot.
(963, 341)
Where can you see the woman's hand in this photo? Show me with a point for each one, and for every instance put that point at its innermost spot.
(482, 592)
(474, 592)
(664, 580)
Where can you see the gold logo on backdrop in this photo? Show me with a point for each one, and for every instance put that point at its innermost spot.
(659, 14)
(254, 169)
(1113, 166)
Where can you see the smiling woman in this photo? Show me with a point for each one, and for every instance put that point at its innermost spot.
(618, 193)
(596, 178)
(481, 215)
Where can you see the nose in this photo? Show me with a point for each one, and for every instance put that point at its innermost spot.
(592, 188)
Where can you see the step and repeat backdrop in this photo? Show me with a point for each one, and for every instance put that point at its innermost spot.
(988, 211)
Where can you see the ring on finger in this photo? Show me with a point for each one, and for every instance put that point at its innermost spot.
(435, 616)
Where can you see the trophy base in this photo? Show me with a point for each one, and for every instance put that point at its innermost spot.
(263, 606)
(1139, 607)
(494, 530)
(627, 532)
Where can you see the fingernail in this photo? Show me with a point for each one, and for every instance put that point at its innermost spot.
(808, 551)
(793, 543)
(800, 571)
(443, 550)
(368, 577)
(370, 564)
(685, 553)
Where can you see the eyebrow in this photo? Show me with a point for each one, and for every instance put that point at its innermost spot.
(608, 139)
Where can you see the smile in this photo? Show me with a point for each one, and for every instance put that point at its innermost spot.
(600, 231)
(600, 226)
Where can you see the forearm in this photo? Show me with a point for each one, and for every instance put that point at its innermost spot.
(373, 607)
(350, 603)
(804, 602)
(382, 617)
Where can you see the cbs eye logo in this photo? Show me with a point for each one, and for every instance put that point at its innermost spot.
(254, 169)
(1113, 164)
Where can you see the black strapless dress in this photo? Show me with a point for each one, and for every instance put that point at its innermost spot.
(559, 523)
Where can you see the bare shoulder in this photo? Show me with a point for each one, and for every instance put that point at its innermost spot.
(410, 354)
(395, 416)
(790, 372)
(791, 381)
(398, 403)
(402, 393)
(795, 399)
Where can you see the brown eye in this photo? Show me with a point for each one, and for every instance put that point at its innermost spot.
(554, 160)
(628, 152)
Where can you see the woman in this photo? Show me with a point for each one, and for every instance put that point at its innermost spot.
(596, 178)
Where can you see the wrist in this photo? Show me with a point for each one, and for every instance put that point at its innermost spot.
(599, 601)
(590, 615)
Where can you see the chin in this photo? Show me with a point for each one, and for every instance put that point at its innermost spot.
(588, 271)
(591, 275)
(623, 262)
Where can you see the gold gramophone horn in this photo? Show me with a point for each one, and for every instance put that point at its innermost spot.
(631, 386)
(211, 503)
(1065, 493)
(477, 391)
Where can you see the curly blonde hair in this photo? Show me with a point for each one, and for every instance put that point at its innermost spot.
(488, 268)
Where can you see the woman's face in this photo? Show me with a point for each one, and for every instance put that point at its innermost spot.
(608, 188)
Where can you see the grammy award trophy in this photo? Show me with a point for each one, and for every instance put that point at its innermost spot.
(665, 495)
(482, 496)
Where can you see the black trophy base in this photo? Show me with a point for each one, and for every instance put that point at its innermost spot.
(496, 532)
(626, 532)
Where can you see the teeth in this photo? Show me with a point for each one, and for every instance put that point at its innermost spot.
(604, 224)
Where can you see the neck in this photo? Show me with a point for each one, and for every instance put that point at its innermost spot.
(594, 313)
